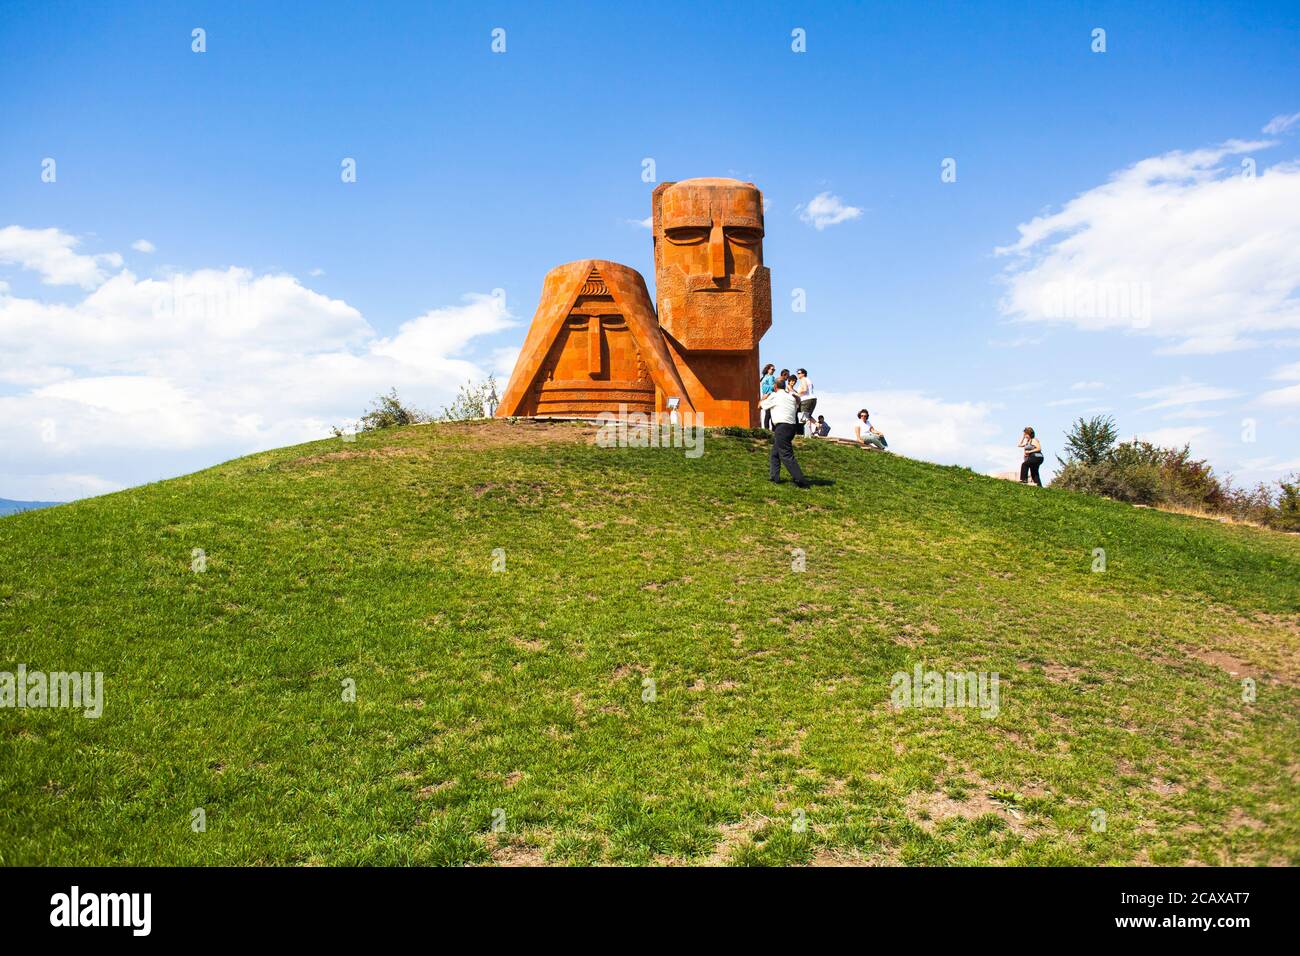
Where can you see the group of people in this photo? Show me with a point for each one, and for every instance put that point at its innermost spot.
(783, 403)
(788, 402)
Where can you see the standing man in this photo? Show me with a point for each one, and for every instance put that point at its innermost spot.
(785, 412)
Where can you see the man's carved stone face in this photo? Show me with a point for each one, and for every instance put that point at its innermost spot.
(713, 291)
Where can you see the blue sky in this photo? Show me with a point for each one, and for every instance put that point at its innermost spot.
(478, 171)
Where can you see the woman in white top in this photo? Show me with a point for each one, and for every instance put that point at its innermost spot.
(866, 433)
(803, 389)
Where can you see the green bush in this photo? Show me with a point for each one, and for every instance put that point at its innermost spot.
(1255, 505)
(1134, 482)
(472, 401)
(385, 412)
(1287, 513)
(1145, 474)
(1090, 441)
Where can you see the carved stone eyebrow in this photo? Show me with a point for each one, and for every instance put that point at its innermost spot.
(686, 221)
(743, 222)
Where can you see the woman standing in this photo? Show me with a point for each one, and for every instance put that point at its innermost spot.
(765, 386)
(1033, 457)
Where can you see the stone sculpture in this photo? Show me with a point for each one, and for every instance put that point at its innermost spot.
(597, 345)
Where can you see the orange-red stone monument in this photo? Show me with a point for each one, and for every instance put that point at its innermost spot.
(597, 345)
(713, 291)
(594, 345)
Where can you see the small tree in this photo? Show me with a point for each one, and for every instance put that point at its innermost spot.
(472, 401)
(1288, 504)
(1090, 441)
(387, 411)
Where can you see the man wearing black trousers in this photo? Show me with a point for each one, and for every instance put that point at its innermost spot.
(785, 413)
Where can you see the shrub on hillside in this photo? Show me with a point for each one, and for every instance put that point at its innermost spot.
(1145, 474)
(1287, 514)
(1133, 481)
(1090, 441)
(385, 412)
(1255, 505)
(472, 401)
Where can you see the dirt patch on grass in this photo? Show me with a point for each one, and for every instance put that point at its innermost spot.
(513, 852)
(420, 441)
(1062, 673)
(929, 810)
(734, 836)
(506, 433)
(424, 793)
(1233, 665)
(386, 451)
(1265, 647)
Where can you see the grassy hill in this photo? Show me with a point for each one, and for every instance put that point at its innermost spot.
(520, 696)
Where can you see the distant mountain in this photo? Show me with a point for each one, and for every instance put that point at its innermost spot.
(8, 507)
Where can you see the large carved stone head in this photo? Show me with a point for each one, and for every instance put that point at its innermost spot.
(594, 345)
(713, 292)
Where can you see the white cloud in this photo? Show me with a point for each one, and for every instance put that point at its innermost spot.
(646, 223)
(1087, 386)
(825, 210)
(1268, 468)
(1061, 402)
(1288, 372)
(54, 487)
(1182, 246)
(1177, 436)
(1281, 396)
(143, 245)
(50, 253)
(503, 360)
(1280, 124)
(923, 426)
(143, 378)
(1185, 393)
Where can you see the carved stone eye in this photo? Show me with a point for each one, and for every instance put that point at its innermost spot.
(686, 235)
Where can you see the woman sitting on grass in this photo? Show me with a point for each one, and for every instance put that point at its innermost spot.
(866, 433)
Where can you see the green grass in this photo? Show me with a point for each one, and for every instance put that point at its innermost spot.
(518, 696)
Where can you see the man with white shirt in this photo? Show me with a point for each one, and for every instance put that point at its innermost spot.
(785, 414)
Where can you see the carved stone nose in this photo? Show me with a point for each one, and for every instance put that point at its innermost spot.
(594, 363)
(718, 253)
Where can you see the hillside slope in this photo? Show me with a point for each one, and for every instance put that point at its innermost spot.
(648, 679)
